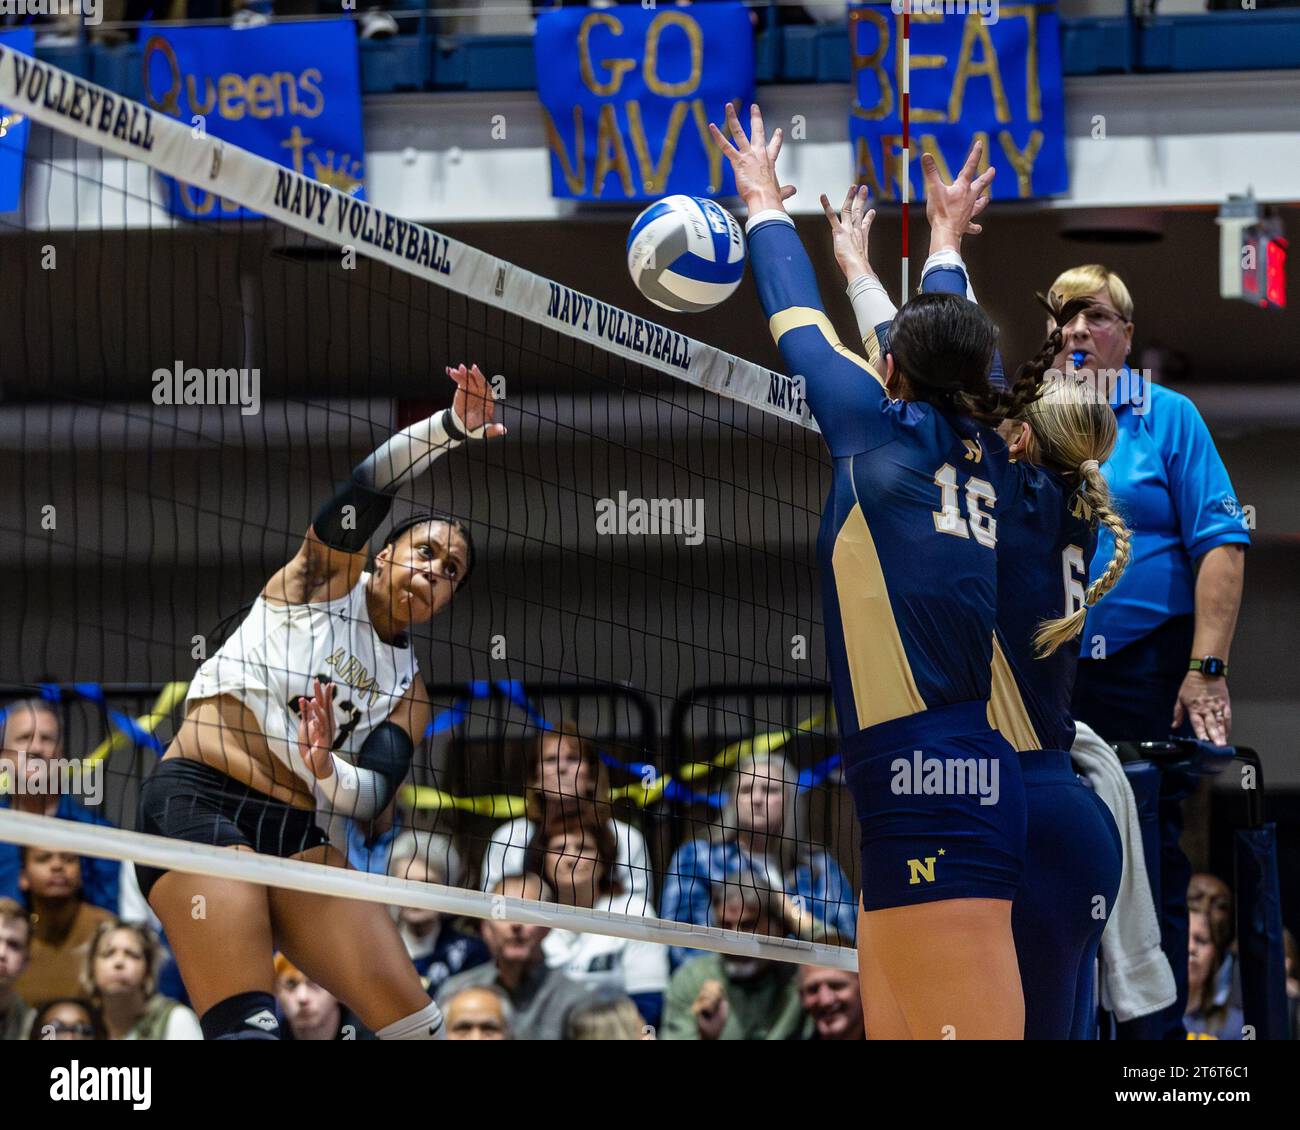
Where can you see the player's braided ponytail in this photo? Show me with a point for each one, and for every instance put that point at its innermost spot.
(1074, 430)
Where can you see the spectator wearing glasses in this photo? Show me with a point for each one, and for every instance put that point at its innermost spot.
(67, 1018)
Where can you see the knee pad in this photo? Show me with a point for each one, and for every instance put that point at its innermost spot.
(247, 1016)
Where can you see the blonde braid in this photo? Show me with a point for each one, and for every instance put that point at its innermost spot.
(1095, 497)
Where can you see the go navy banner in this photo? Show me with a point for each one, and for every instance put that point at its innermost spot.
(993, 73)
(288, 92)
(14, 128)
(628, 94)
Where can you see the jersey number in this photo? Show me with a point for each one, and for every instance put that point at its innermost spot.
(1075, 572)
(978, 521)
(351, 716)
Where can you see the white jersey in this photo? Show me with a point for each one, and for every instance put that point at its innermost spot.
(278, 649)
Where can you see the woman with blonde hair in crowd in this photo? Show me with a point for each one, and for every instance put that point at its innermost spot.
(764, 832)
(120, 978)
(568, 788)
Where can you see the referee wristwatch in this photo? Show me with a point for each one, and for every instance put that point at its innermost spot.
(1212, 667)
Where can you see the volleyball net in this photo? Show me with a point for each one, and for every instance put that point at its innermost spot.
(628, 696)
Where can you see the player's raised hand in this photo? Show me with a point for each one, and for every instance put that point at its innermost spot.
(753, 160)
(850, 232)
(474, 404)
(316, 729)
(951, 208)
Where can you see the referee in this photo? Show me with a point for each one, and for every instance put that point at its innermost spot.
(1154, 655)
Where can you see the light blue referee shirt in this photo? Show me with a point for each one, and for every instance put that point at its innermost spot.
(1173, 490)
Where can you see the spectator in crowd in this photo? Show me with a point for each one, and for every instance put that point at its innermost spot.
(568, 785)
(479, 1014)
(1154, 653)
(832, 999)
(63, 924)
(1209, 895)
(763, 829)
(311, 1012)
(437, 948)
(717, 997)
(33, 750)
(15, 936)
(1206, 1019)
(608, 1018)
(120, 978)
(541, 997)
(67, 1018)
(579, 868)
(134, 908)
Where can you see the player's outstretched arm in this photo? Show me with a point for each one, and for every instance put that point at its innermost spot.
(873, 309)
(950, 209)
(334, 550)
(832, 375)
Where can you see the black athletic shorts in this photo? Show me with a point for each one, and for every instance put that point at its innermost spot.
(187, 800)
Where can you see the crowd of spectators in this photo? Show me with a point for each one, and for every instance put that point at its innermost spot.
(74, 964)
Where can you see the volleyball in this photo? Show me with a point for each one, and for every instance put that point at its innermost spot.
(686, 253)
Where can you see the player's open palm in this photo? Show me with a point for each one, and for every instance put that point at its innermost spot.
(851, 231)
(316, 729)
(474, 403)
(952, 207)
(753, 160)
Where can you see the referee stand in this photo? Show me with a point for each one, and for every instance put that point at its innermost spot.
(1257, 894)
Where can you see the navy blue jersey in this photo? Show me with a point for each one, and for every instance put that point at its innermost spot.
(1044, 548)
(907, 542)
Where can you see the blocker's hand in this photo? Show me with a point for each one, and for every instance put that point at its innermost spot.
(950, 208)
(850, 231)
(753, 160)
(474, 404)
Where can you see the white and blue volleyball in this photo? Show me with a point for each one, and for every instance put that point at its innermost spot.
(686, 253)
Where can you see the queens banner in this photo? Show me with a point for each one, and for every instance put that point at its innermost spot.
(628, 94)
(288, 92)
(993, 74)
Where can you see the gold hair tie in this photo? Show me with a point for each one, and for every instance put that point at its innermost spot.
(1088, 466)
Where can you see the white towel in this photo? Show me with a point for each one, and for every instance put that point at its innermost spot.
(1135, 976)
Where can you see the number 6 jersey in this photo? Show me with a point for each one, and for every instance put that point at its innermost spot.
(278, 649)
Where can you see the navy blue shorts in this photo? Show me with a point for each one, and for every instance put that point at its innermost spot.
(1072, 874)
(188, 800)
(940, 805)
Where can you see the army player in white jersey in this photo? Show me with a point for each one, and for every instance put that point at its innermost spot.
(321, 666)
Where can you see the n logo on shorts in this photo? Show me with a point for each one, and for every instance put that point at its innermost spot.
(921, 871)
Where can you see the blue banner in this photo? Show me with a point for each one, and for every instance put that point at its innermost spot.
(628, 94)
(14, 128)
(994, 74)
(288, 92)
